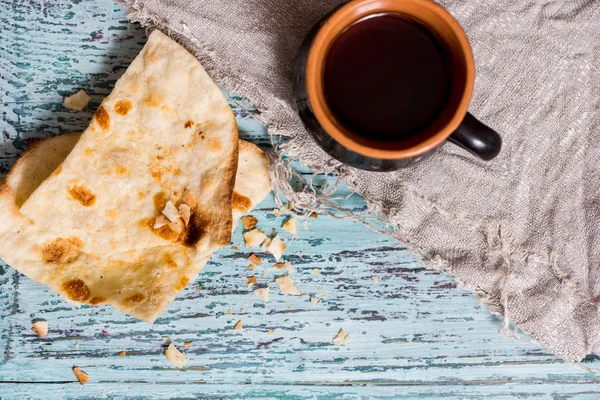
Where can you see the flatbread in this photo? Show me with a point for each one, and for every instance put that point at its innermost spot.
(140, 283)
(165, 133)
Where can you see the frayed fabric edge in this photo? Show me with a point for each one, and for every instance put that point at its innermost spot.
(309, 200)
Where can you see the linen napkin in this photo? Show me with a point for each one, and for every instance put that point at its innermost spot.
(523, 231)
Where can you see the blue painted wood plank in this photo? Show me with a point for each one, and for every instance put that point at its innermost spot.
(414, 334)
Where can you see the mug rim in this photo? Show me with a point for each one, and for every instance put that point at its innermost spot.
(344, 17)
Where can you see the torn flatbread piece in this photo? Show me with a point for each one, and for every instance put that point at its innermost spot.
(252, 180)
(77, 101)
(139, 283)
(165, 133)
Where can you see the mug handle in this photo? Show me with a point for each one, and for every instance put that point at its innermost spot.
(477, 138)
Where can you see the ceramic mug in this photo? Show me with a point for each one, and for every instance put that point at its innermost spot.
(454, 124)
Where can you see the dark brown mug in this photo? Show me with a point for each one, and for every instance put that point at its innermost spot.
(454, 123)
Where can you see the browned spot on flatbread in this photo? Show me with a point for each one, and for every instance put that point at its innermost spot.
(189, 124)
(153, 100)
(76, 290)
(96, 300)
(170, 262)
(156, 172)
(88, 153)
(121, 170)
(122, 107)
(75, 241)
(59, 251)
(83, 195)
(160, 201)
(165, 232)
(240, 202)
(182, 283)
(102, 118)
(135, 299)
(215, 145)
(112, 214)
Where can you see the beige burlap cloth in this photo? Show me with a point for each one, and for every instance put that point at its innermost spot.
(522, 232)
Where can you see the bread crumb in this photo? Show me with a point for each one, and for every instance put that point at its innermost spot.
(262, 293)
(235, 248)
(185, 212)
(229, 312)
(315, 301)
(171, 212)
(287, 286)
(175, 357)
(316, 271)
(254, 259)
(238, 326)
(76, 346)
(291, 226)
(254, 238)
(280, 265)
(81, 376)
(249, 222)
(40, 327)
(339, 339)
(187, 345)
(313, 215)
(270, 332)
(266, 244)
(251, 281)
(276, 247)
(375, 278)
(160, 221)
(262, 275)
(122, 353)
(251, 267)
(241, 310)
(289, 267)
(276, 212)
(198, 287)
(77, 101)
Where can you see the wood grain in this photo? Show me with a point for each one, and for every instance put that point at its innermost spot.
(414, 334)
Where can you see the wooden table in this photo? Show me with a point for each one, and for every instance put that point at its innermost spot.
(414, 333)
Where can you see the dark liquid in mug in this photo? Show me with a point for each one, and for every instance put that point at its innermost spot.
(386, 77)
